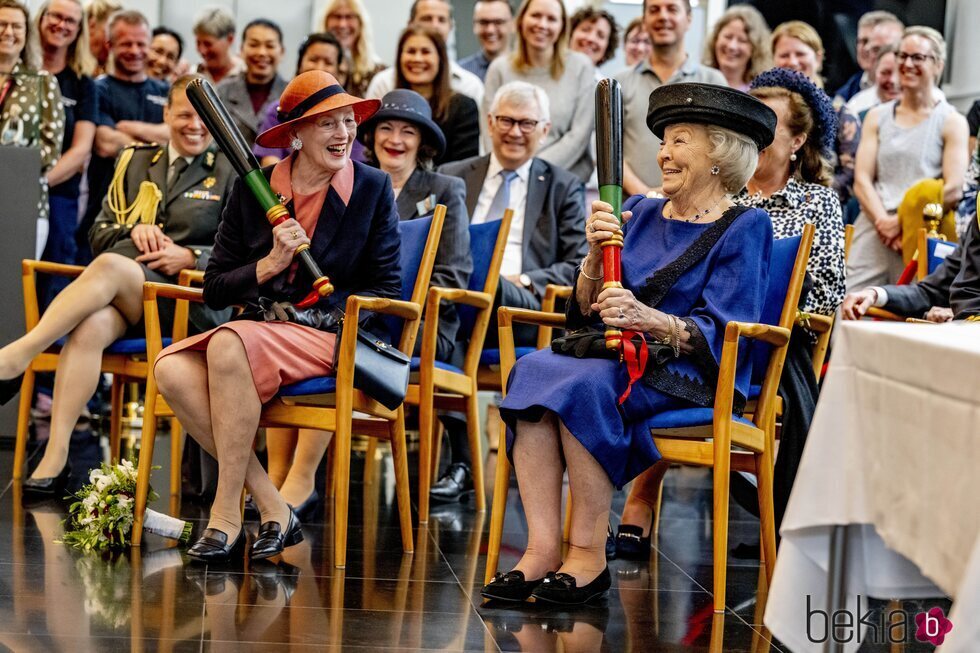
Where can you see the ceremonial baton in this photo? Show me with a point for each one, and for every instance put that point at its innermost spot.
(609, 164)
(226, 134)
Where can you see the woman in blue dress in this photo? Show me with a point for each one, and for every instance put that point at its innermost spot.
(691, 263)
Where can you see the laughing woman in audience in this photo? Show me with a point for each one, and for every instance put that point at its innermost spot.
(739, 46)
(792, 184)
(566, 413)
(541, 57)
(423, 67)
(349, 22)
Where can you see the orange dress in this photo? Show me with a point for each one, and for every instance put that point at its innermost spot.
(282, 353)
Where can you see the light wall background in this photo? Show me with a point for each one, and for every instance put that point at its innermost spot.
(299, 17)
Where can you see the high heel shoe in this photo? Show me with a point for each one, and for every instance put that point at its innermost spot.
(9, 388)
(273, 539)
(212, 547)
(304, 511)
(46, 488)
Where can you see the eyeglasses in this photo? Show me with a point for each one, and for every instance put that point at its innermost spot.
(56, 18)
(638, 40)
(917, 58)
(507, 123)
(16, 28)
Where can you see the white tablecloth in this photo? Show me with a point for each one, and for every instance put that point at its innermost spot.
(894, 448)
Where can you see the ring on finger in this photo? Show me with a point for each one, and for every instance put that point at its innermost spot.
(591, 228)
(622, 314)
(294, 234)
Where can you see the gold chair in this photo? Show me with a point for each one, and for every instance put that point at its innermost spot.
(328, 403)
(712, 433)
(125, 359)
(441, 386)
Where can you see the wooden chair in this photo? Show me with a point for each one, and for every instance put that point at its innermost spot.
(706, 436)
(441, 386)
(325, 403)
(125, 359)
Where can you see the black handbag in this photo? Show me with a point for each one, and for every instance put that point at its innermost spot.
(380, 370)
(590, 342)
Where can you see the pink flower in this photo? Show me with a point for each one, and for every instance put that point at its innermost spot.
(932, 626)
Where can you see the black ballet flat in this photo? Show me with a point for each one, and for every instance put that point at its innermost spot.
(46, 488)
(272, 539)
(630, 543)
(563, 589)
(213, 548)
(510, 587)
(304, 511)
(9, 388)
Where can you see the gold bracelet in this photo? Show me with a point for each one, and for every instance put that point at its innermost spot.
(581, 268)
(676, 329)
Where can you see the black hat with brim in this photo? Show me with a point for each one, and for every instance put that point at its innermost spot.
(403, 104)
(710, 104)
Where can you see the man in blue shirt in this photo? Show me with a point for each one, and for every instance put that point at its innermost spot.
(493, 24)
(130, 110)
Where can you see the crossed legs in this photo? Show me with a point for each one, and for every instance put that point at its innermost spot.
(540, 448)
(214, 397)
(94, 310)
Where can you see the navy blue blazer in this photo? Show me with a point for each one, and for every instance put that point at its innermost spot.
(357, 246)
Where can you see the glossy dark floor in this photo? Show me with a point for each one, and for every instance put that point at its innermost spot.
(53, 598)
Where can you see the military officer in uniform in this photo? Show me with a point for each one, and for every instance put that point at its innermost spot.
(159, 217)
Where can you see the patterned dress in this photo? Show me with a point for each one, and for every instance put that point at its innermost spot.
(726, 282)
(800, 203)
(38, 100)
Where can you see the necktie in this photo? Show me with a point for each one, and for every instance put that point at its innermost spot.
(176, 168)
(501, 201)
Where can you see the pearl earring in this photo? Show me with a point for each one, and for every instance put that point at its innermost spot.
(296, 143)
(715, 170)
(792, 157)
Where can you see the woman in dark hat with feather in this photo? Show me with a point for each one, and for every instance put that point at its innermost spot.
(562, 409)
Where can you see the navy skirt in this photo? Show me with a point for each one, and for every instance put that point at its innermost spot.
(584, 393)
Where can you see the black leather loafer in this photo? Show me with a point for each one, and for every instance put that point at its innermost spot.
(563, 589)
(9, 388)
(273, 539)
(509, 587)
(46, 488)
(630, 543)
(454, 486)
(304, 511)
(212, 547)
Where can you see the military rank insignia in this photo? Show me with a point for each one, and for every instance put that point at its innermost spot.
(210, 182)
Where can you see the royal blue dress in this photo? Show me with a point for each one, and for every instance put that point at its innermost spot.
(727, 282)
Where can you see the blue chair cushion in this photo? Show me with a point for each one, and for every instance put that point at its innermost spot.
(781, 264)
(687, 417)
(127, 346)
(318, 385)
(492, 356)
(754, 391)
(417, 365)
(938, 250)
(483, 239)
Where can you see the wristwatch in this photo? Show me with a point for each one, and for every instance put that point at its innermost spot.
(526, 281)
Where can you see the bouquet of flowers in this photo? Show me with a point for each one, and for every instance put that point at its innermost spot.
(102, 516)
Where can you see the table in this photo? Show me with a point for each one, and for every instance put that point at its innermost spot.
(893, 457)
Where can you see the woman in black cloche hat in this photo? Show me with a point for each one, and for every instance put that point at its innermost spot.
(690, 264)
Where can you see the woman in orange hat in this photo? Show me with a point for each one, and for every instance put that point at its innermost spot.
(217, 382)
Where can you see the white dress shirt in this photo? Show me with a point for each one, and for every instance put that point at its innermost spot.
(514, 252)
(461, 80)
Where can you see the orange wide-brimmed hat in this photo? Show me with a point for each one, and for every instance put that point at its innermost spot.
(310, 94)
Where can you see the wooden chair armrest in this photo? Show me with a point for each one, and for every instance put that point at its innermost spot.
(507, 315)
(882, 314)
(815, 322)
(774, 335)
(30, 266)
(190, 277)
(396, 307)
(552, 293)
(152, 291)
(459, 296)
